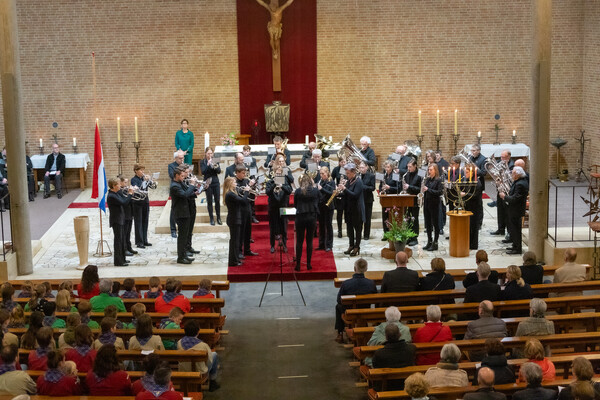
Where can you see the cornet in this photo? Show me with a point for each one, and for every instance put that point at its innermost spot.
(151, 183)
(137, 195)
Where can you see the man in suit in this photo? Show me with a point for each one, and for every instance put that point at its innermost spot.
(479, 160)
(395, 353)
(484, 289)
(487, 326)
(505, 158)
(368, 180)
(533, 375)
(246, 228)
(55, 168)
(239, 160)
(412, 185)
(402, 161)
(178, 160)
(278, 142)
(116, 203)
(181, 212)
(516, 203)
(400, 279)
(339, 202)
(367, 151)
(317, 160)
(485, 379)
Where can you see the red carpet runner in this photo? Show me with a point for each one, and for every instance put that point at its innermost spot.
(256, 268)
(154, 203)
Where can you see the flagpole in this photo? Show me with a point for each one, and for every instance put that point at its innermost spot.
(101, 236)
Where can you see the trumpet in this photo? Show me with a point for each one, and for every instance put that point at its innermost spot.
(199, 184)
(336, 192)
(151, 183)
(241, 189)
(137, 194)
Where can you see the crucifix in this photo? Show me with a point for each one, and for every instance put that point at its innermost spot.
(274, 30)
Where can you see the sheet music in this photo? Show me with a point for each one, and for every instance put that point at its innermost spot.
(379, 176)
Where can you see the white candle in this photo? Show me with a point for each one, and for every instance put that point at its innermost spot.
(514, 133)
(41, 142)
(119, 129)
(136, 131)
(74, 142)
(456, 122)
(438, 122)
(306, 139)
(479, 134)
(330, 138)
(419, 122)
(206, 140)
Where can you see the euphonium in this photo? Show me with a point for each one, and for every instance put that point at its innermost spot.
(283, 147)
(138, 194)
(151, 183)
(500, 173)
(350, 153)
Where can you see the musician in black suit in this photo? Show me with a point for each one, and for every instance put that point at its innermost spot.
(278, 142)
(318, 162)
(516, 202)
(367, 151)
(501, 212)
(211, 170)
(236, 204)
(278, 191)
(411, 184)
(479, 160)
(55, 168)
(368, 181)
(128, 212)
(432, 189)
(247, 152)
(307, 154)
(443, 166)
(180, 195)
(306, 201)
(387, 186)
(326, 188)
(239, 160)
(141, 208)
(403, 159)
(339, 202)
(355, 208)
(115, 202)
(246, 229)
(189, 250)
(178, 160)
(473, 203)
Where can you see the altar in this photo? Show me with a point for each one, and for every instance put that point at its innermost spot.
(77, 161)
(488, 150)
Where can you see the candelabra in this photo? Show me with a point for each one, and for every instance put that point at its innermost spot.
(137, 151)
(455, 138)
(41, 150)
(74, 149)
(437, 140)
(460, 191)
(119, 146)
(514, 139)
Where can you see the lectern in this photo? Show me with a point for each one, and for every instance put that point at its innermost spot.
(459, 232)
(401, 201)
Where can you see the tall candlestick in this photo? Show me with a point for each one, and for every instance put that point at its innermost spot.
(456, 122)
(438, 122)
(41, 142)
(419, 122)
(118, 129)
(74, 141)
(136, 131)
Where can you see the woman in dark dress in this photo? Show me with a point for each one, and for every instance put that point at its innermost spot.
(432, 190)
(326, 187)
(211, 170)
(387, 186)
(306, 201)
(438, 279)
(235, 204)
(352, 191)
(516, 289)
(278, 190)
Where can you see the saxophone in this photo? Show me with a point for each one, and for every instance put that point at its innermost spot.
(336, 192)
(421, 196)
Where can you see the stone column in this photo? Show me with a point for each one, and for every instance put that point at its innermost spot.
(14, 133)
(540, 140)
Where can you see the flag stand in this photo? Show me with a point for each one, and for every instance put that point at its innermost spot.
(101, 243)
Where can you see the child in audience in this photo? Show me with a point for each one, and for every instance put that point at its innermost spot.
(172, 298)
(161, 388)
(155, 288)
(56, 382)
(17, 318)
(203, 292)
(116, 288)
(137, 310)
(88, 287)
(144, 339)
(107, 378)
(130, 290)
(142, 384)
(26, 290)
(69, 368)
(48, 294)
(173, 322)
(68, 286)
(36, 321)
(67, 339)
(36, 302)
(63, 302)
(38, 358)
(9, 338)
(108, 335)
(8, 292)
(82, 353)
(50, 316)
(191, 342)
(112, 312)
(84, 308)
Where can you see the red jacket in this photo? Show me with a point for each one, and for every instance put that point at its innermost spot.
(84, 363)
(66, 386)
(170, 395)
(203, 309)
(36, 363)
(431, 332)
(179, 301)
(88, 295)
(138, 386)
(115, 384)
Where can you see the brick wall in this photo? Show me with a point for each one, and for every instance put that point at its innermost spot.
(591, 81)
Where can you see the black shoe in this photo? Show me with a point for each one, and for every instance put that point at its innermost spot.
(241, 256)
(427, 246)
(339, 232)
(366, 238)
(174, 234)
(219, 221)
(433, 247)
(349, 250)
(497, 233)
(441, 232)
(251, 240)
(513, 251)
(297, 268)
(212, 222)
(308, 267)
(413, 242)
(59, 195)
(355, 252)
(193, 251)
(189, 254)
(250, 253)
(272, 249)
(46, 195)
(132, 251)
(320, 248)
(147, 244)
(327, 250)
(492, 204)
(506, 241)
(183, 261)
(236, 264)
(510, 248)
(255, 221)
(140, 246)
(128, 253)
(189, 258)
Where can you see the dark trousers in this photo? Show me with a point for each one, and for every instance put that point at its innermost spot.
(245, 232)
(431, 214)
(442, 221)
(118, 244)
(190, 232)
(368, 214)
(172, 220)
(475, 205)
(339, 322)
(234, 243)
(514, 230)
(182, 236)
(502, 214)
(276, 226)
(212, 194)
(31, 187)
(127, 233)
(305, 227)
(339, 207)
(413, 212)
(57, 183)
(141, 212)
(354, 230)
(325, 226)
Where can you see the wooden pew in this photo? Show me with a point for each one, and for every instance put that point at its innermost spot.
(588, 321)
(457, 274)
(38, 397)
(565, 305)
(443, 296)
(141, 284)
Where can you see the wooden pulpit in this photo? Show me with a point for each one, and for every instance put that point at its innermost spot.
(459, 233)
(401, 201)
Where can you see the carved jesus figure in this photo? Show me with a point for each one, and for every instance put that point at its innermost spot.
(274, 25)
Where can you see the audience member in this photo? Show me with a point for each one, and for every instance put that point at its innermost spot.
(161, 388)
(515, 287)
(48, 294)
(26, 290)
(88, 287)
(111, 312)
(7, 291)
(400, 279)
(130, 292)
(17, 318)
(107, 377)
(446, 372)
(68, 286)
(36, 321)
(108, 335)
(144, 339)
(67, 340)
(63, 302)
(137, 310)
(484, 289)
(12, 381)
(191, 342)
(155, 288)
(531, 271)
(396, 353)
(495, 359)
(570, 272)
(142, 384)
(82, 353)
(487, 326)
(417, 388)
(115, 289)
(534, 352)
(438, 279)
(471, 278)
(583, 391)
(485, 380)
(392, 316)
(85, 308)
(104, 299)
(536, 324)
(203, 292)
(38, 358)
(433, 331)
(172, 322)
(583, 372)
(8, 337)
(55, 382)
(533, 376)
(358, 284)
(172, 298)
(37, 300)
(50, 316)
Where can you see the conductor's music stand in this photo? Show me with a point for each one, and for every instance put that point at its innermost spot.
(283, 211)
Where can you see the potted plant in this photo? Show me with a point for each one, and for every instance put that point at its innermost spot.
(399, 229)
(229, 140)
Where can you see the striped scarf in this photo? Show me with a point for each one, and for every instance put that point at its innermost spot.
(83, 350)
(107, 338)
(202, 292)
(169, 296)
(143, 341)
(7, 368)
(42, 351)
(130, 294)
(53, 375)
(157, 390)
(48, 321)
(187, 342)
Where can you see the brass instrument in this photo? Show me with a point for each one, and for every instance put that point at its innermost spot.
(412, 149)
(152, 184)
(199, 184)
(241, 189)
(137, 195)
(323, 144)
(336, 192)
(350, 153)
(282, 148)
(500, 173)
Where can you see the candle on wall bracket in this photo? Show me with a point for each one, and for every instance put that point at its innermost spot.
(479, 137)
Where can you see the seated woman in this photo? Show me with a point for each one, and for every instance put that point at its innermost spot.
(433, 331)
(108, 378)
(495, 359)
(536, 324)
(515, 287)
(36, 321)
(417, 387)
(392, 316)
(55, 382)
(534, 352)
(583, 372)
(446, 372)
(38, 358)
(438, 279)
(144, 339)
(88, 287)
(63, 302)
(82, 353)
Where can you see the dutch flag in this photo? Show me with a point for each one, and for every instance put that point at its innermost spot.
(99, 186)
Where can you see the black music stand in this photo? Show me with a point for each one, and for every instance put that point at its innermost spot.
(282, 211)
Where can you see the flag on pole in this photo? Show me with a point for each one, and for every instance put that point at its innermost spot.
(99, 186)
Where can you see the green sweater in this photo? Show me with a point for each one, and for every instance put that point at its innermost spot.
(169, 344)
(103, 300)
(185, 142)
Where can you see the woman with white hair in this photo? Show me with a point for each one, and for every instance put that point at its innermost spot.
(446, 372)
(536, 324)
(367, 151)
(392, 316)
(432, 331)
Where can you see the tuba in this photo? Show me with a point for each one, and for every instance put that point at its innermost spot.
(350, 153)
(500, 173)
(323, 144)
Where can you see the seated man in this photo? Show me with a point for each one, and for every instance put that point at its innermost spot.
(396, 353)
(485, 379)
(55, 168)
(104, 299)
(536, 324)
(358, 284)
(531, 272)
(484, 289)
(12, 381)
(400, 279)
(487, 326)
(471, 278)
(533, 376)
(570, 272)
